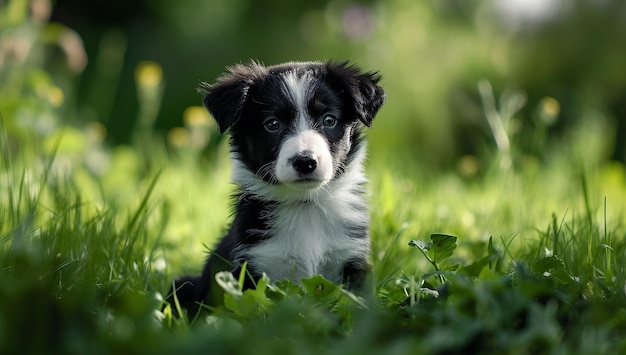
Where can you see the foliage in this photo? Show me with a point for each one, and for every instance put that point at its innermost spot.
(75, 281)
(508, 254)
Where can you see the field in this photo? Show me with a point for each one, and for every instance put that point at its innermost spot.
(514, 260)
(515, 247)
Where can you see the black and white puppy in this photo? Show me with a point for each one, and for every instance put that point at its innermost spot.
(297, 158)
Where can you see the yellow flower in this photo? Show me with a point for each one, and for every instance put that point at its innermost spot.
(148, 74)
(550, 109)
(194, 116)
(178, 137)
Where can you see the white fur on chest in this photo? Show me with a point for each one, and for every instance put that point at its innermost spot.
(309, 239)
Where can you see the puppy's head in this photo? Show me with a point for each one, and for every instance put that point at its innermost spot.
(294, 124)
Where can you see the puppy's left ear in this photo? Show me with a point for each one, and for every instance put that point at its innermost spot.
(224, 101)
(363, 89)
(226, 98)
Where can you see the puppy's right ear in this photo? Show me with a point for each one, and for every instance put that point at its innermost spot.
(225, 99)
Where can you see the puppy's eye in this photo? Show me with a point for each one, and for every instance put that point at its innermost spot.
(329, 121)
(271, 124)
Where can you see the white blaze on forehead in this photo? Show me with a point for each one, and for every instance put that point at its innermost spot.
(299, 88)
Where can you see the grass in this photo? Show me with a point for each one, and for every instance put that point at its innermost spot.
(509, 253)
(514, 261)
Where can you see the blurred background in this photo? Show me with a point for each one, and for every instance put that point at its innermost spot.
(464, 78)
(502, 117)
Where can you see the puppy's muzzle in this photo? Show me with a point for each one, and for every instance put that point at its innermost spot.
(304, 162)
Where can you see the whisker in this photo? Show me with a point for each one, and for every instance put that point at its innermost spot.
(265, 171)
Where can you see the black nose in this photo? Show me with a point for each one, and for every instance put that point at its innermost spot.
(305, 162)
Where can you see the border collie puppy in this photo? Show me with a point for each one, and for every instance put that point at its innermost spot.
(297, 158)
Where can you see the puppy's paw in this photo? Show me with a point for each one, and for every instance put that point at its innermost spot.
(184, 295)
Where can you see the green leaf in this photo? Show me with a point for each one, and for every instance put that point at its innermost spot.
(228, 283)
(320, 288)
(242, 274)
(547, 264)
(450, 267)
(352, 299)
(248, 303)
(421, 245)
(430, 292)
(474, 269)
(282, 289)
(443, 245)
(490, 248)
(438, 274)
(553, 267)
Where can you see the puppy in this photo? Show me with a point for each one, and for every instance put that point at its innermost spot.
(297, 159)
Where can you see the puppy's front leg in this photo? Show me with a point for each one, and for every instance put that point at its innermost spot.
(356, 274)
(189, 291)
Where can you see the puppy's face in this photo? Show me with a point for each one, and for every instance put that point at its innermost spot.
(296, 124)
(294, 130)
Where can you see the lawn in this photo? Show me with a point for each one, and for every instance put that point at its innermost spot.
(522, 259)
(507, 250)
